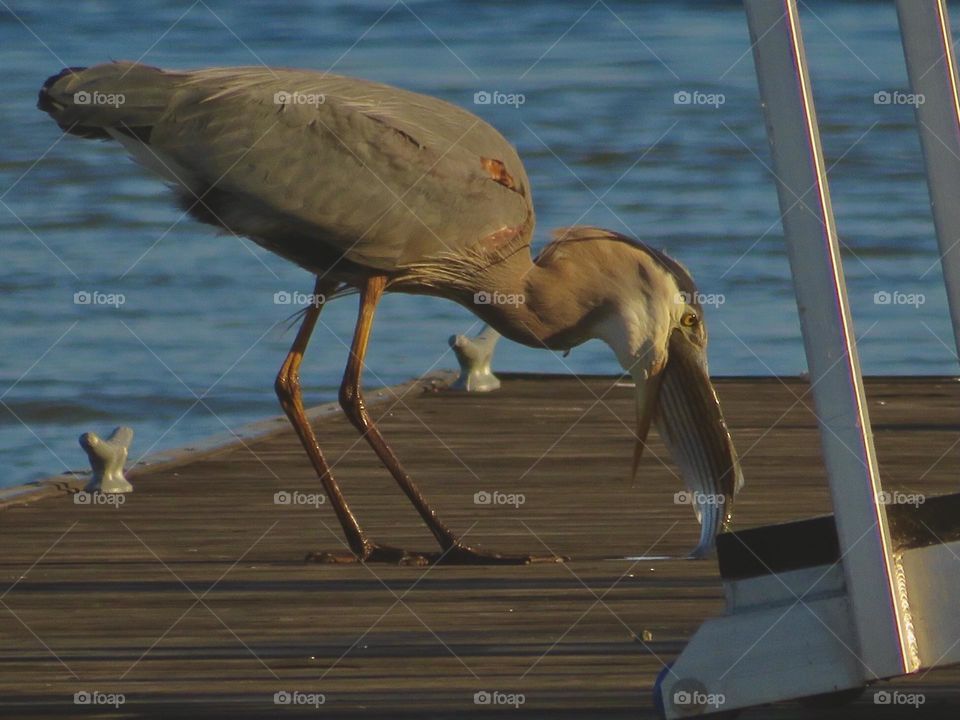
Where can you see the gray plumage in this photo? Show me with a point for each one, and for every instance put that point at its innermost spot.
(378, 175)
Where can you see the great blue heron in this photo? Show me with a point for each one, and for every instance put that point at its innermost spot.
(381, 189)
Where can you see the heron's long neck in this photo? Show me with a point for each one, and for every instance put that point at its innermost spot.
(557, 302)
(536, 305)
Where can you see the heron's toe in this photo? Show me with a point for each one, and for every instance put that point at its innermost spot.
(461, 554)
(335, 557)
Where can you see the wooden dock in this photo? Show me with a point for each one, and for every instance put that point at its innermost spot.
(191, 599)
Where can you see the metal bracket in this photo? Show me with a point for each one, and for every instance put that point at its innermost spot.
(107, 458)
(475, 355)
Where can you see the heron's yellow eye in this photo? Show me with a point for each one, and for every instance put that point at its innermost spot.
(689, 319)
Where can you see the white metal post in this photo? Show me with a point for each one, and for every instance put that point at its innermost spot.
(883, 626)
(823, 606)
(932, 66)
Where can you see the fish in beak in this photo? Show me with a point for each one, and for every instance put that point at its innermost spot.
(677, 396)
(652, 319)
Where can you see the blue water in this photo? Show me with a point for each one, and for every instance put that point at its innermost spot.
(199, 317)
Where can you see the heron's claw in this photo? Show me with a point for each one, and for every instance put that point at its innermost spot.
(457, 554)
(372, 553)
(460, 554)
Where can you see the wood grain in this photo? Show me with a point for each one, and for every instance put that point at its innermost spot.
(192, 598)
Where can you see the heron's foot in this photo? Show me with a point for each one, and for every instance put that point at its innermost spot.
(372, 553)
(460, 554)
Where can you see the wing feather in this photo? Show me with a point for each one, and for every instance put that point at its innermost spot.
(383, 176)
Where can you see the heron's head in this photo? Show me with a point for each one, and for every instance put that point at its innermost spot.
(655, 325)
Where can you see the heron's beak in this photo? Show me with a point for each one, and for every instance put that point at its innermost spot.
(690, 422)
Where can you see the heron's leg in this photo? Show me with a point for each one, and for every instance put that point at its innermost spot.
(351, 400)
(288, 391)
(291, 399)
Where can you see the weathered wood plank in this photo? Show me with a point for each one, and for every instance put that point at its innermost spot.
(192, 596)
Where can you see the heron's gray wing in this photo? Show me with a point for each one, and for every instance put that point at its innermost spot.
(383, 176)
